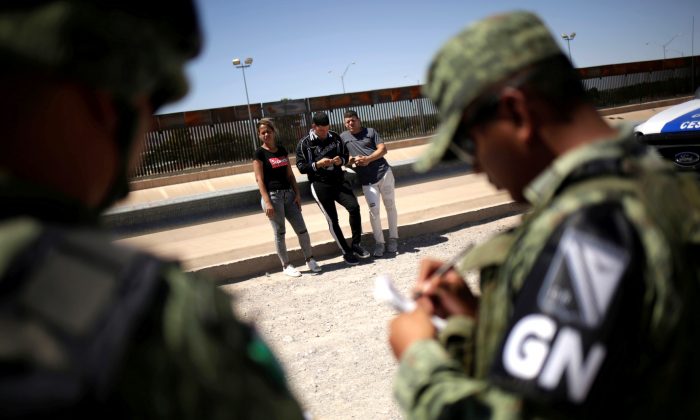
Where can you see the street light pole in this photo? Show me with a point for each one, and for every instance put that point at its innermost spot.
(342, 76)
(663, 46)
(666, 44)
(569, 38)
(237, 63)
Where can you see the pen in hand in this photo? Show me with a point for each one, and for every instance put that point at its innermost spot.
(444, 268)
(384, 291)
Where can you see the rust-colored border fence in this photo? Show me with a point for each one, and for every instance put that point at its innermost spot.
(204, 139)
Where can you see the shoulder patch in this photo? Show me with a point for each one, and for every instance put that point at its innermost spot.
(582, 278)
(565, 315)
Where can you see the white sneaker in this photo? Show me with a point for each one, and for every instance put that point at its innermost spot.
(392, 245)
(313, 265)
(378, 249)
(291, 271)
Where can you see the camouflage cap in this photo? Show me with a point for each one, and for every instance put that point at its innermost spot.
(126, 47)
(481, 55)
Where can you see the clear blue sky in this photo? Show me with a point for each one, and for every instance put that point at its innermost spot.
(295, 43)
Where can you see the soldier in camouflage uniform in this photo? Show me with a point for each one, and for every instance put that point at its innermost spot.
(89, 329)
(586, 310)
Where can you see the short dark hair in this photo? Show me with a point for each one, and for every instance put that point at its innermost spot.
(557, 86)
(350, 113)
(321, 118)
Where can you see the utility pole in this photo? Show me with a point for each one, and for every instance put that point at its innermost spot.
(342, 76)
(237, 63)
(569, 38)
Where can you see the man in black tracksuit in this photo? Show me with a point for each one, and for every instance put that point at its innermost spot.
(321, 155)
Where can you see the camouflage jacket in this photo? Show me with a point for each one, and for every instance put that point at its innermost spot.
(93, 330)
(586, 308)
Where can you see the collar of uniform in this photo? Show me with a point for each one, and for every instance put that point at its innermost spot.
(544, 186)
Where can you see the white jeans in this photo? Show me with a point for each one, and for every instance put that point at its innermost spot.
(385, 188)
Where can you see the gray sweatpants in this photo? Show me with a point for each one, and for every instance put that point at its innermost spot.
(285, 208)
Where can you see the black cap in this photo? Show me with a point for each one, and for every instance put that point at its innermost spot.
(321, 118)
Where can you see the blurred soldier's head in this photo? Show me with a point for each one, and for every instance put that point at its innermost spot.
(80, 81)
(497, 85)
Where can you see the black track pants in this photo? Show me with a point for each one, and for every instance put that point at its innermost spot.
(326, 195)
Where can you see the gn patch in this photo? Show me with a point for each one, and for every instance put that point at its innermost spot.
(582, 278)
(555, 345)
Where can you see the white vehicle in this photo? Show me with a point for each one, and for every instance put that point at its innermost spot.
(675, 133)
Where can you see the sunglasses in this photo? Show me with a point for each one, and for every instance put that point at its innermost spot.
(484, 110)
(462, 145)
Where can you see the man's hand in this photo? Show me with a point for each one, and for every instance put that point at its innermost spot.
(445, 295)
(361, 161)
(324, 162)
(337, 161)
(409, 327)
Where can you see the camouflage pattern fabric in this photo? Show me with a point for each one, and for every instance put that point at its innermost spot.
(450, 378)
(112, 49)
(198, 361)
(473, 61)
(185, 356)
(128, 48)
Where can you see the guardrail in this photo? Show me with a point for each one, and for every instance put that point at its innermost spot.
(210, 138)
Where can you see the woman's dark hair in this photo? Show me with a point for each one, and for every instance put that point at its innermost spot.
(266, 122)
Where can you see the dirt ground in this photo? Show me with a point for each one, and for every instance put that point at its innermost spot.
(329, 332)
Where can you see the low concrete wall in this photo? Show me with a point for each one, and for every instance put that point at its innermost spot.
(235, 271)
(145, 217)
(219, 204)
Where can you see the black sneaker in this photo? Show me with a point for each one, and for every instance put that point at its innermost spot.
(358, 250)
(350, 259)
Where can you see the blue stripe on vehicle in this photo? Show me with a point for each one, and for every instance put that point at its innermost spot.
(686, 122)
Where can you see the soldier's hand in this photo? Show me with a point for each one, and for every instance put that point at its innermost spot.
(337, 161)
(444, 295)
(409, 327)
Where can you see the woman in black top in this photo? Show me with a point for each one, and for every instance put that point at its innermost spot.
(280, 197)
